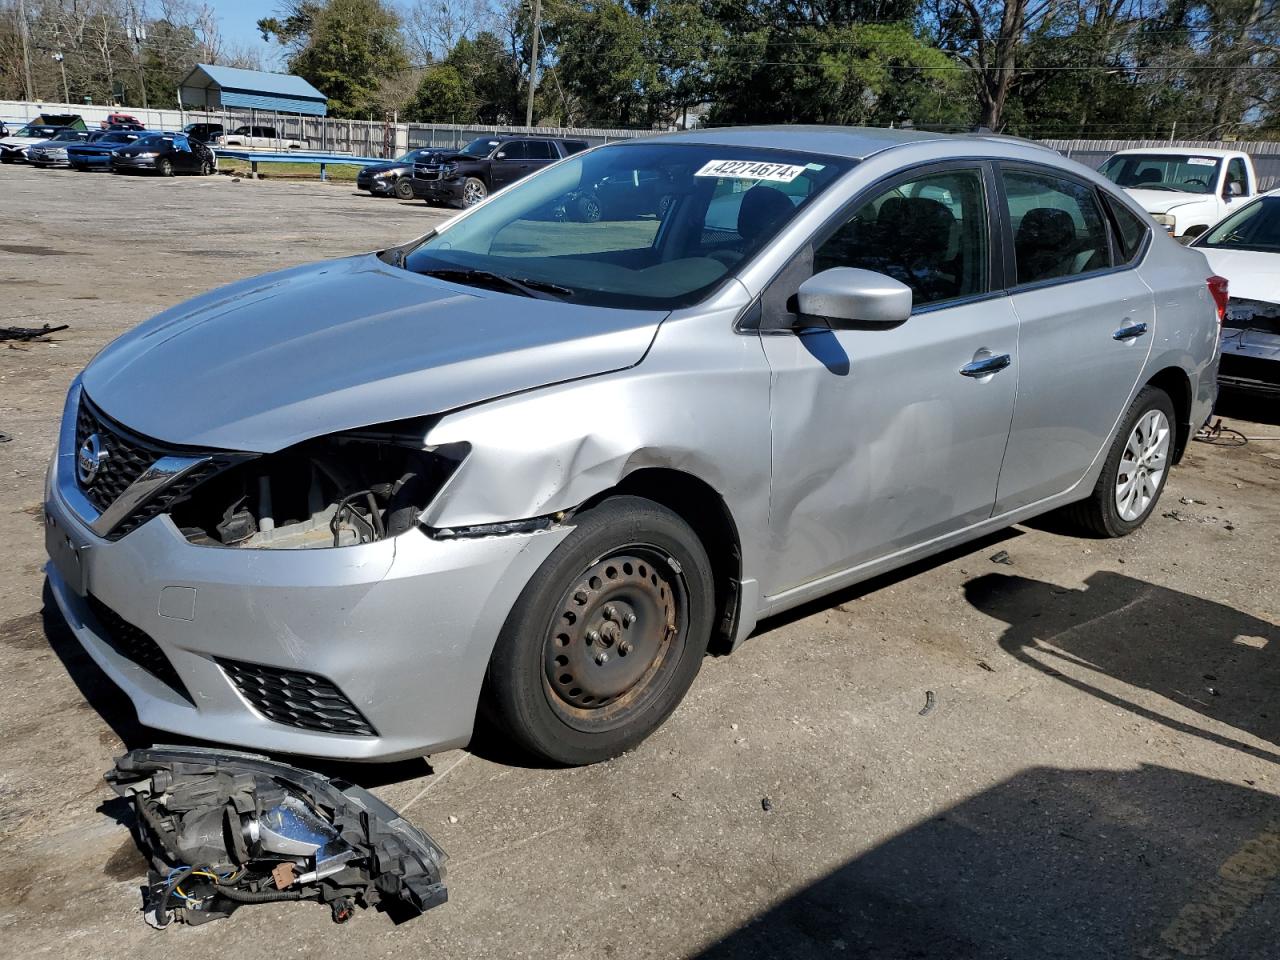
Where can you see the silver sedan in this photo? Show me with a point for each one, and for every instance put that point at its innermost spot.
(534, 465)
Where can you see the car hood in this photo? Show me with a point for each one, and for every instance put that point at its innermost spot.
(274, 360)
(21, 141)
(96, 147)
(1251, 275)
(376, 168)
(1162, 201)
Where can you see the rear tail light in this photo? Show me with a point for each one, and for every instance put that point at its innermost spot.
(1218, 290)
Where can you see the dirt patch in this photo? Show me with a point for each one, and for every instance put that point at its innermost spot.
(24, 633)
(34, 250)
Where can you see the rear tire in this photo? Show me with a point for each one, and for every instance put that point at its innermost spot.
(1136, 469)
(607, 636)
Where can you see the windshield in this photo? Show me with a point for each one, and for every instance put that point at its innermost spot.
(36, 130)
(1255, 226)
(1162, 171)
(413, 156)
(117, 136)
(479, 147)
(150, 140)
(652, 226)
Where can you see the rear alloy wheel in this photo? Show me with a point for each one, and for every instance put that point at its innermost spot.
(473, 191)
(164, 167)
(1136, 470)
(404, 189)
(607, 636)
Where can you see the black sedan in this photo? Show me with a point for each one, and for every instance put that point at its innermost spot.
(393, 178)
(164, 154)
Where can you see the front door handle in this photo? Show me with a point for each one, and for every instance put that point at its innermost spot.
(1130, 331)
(986, 366)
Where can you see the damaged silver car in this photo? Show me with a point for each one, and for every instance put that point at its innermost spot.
(536, 466)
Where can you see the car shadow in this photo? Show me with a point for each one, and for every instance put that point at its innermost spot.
(1199, 654)
(1242, 405)
(1147, 862)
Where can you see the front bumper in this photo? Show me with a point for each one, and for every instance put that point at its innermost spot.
(403, 627)
(440, 190)
(133, 163)
(48, 160)
(375, 184)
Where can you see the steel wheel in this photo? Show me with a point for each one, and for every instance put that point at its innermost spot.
(164, 168)
(616, 638)
(404, 189)
(1142, 465)
(473, 191)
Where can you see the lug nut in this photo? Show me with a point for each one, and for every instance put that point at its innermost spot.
(628, 619)
(593, 636)
(624, 647)
(602, 658)
(610, 613)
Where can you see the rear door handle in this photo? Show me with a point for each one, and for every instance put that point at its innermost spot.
(986, 366)
(1130, 332)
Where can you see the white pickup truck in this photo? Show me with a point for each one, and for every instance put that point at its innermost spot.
(1186, 190)
(263, 138)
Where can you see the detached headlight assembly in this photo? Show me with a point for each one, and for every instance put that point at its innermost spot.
(341, 490)
(1165, 220)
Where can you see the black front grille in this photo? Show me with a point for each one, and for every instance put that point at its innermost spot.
(297, 699)
(136, 645)
(127, 457)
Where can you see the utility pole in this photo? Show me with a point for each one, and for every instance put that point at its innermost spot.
(26, 49)
(62, 62)
(533, 63)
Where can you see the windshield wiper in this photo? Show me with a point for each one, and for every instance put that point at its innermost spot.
(538, 289)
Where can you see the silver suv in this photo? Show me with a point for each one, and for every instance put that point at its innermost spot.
(537, 465)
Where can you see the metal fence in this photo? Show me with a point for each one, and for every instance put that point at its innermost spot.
(375, 138)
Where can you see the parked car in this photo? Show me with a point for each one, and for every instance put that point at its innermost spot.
(1185, 191)
(546, 464)
(95, 153)
(53, 152)
(13, 149)
(164, 154)
(621, 196)
(1245, 248)
(266, 138)
(125, 120)
(204, 132)
(485, 165)
(393, 178)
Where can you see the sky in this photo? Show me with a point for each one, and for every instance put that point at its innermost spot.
(238, 19)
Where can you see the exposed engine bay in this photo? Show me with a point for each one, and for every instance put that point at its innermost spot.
(222, 829)
(333, 491)
(1252, 315)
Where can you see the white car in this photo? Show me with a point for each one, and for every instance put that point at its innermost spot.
(263, 138)
(1185, 190)
(1245, 248)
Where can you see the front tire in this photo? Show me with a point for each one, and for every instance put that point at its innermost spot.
(473, 191)
(1136, 469)
(607, 636)
(164, 167)
(404, 189)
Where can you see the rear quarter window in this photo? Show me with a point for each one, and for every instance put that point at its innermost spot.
(1130, 230)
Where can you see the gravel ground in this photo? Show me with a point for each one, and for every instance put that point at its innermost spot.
(1098, 777)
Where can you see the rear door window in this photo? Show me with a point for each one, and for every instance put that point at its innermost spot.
(541, 150)
(1058, 229)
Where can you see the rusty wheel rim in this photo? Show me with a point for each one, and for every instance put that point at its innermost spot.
(615, 639)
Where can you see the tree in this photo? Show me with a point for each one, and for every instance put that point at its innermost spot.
(443, 96)
(345, 48)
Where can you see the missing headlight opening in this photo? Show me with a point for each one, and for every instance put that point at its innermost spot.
(335, 491)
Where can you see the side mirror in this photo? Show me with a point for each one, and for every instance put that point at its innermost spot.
(851, 297)
(500, 155)
(1233, 189)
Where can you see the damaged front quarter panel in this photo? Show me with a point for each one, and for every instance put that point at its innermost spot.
(222, 829)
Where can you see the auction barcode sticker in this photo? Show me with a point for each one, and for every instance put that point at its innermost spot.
(750, 170)
(1202, 162)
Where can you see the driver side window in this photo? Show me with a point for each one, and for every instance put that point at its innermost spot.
(929, 233)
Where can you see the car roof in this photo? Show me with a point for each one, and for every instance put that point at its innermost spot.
(854, 143)
(1180, 151)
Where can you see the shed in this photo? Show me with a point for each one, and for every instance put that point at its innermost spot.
(216, 88)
